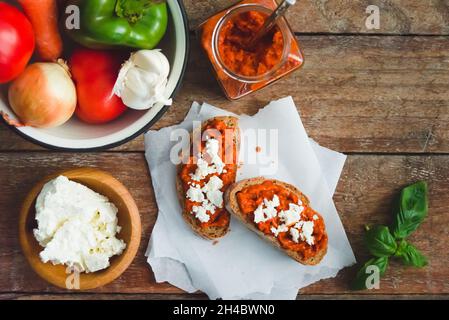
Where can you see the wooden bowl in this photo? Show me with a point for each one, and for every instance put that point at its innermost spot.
(128, 219)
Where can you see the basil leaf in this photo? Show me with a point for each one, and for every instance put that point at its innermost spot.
(411, 256)
(380, 242)
(411, 209)
(367, 273)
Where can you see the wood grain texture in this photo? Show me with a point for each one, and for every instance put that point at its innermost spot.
(143, 296)
(131, 167)
(364, 195)
(348, 16)
(355, 94)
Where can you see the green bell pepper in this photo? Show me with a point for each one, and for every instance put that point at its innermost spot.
(120, 23)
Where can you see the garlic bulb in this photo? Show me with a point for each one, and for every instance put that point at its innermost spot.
(142, 80)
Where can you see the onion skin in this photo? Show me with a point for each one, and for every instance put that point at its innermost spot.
(44, 95)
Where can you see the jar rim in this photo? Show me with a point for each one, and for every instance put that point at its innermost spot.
(281, 23)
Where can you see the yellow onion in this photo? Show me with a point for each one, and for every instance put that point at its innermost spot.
(44, 95)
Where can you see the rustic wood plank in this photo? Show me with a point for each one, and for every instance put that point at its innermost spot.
(10, 141)
(364, 195)
(355, 94)
(153, 296)
(101, 296)
(21, 277)
(348, 16)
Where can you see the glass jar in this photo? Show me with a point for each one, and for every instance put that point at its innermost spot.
(238, 68)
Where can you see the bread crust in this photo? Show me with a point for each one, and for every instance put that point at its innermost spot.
(233, 207)
(212, 232)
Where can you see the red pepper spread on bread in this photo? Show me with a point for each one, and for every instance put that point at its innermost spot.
(280, 213)
(208, 173)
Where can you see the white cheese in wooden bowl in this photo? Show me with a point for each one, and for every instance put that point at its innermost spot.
(76, 226)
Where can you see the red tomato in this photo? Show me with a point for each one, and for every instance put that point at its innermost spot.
(94, 73)
(16, 42)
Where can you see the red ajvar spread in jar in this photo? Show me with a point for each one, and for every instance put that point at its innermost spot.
(252, 61)
(227, 53)
(251, 197)
(216, 129)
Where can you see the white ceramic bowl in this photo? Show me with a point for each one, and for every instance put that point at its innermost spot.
(76, 135)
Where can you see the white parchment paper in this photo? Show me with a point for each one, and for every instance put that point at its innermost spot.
(241, 265)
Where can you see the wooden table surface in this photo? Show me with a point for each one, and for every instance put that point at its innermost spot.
(381, 96)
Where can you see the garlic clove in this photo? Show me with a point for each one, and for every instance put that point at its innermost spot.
(152, 60)
(120, 82)
(136, 83)
(142, 80)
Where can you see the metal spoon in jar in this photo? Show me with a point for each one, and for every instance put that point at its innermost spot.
(271, 21)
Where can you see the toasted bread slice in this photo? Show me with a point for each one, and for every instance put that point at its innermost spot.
(233, 207)
(209, 232)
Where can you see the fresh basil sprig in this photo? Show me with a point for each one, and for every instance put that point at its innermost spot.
(380, 242)
(410, 255)
(362, 276)
(410, 211)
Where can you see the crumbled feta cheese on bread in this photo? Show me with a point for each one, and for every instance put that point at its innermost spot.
(266, 210)
(201, 213)
(295, 234)
(279, 229)
(307, 231)
(292, 215)
(210, 195)
(195, 194)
